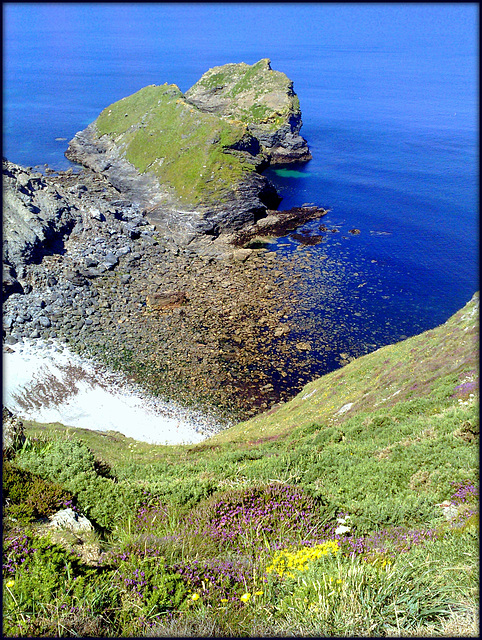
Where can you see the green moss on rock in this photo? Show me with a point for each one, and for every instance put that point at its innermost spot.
(159, 132)
(253, 94)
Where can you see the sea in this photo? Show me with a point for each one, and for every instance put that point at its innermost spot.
(389, 100)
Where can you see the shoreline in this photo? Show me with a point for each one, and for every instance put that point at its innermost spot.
(213, 326)
(58, 385)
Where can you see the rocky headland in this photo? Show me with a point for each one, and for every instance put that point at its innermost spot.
(150, 256)
(193, 162)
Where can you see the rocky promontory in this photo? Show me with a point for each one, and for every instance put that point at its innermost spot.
(193, 162)
(260, 97)
(152, 255)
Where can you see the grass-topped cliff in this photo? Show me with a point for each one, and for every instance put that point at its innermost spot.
(253, 94)
(159, 132)
(261, 98)
(320, 518)
(202, 151)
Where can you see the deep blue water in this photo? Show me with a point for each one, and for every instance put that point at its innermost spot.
(389, 96)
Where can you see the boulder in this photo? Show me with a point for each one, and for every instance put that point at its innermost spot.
(449, 509)
(13, 434)
(69, 519)
(165, 300)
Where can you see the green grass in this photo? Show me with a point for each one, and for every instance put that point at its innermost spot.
(250, 90)
(159, 132)
(188, 531)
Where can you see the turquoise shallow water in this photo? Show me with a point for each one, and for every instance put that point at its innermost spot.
(389, 111)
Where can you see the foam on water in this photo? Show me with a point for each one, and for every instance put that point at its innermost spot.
(46, 382)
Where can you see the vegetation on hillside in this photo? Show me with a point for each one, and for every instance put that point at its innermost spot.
(325, 517)
(199, 152)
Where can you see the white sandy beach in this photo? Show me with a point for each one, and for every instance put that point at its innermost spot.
(47, 382)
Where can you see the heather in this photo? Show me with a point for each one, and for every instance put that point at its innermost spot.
(309, 520)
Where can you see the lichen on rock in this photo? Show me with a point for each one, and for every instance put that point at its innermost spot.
(260, 97)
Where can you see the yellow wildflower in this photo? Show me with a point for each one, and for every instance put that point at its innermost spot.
(10, 583)
(258, 593)
(195, 596)
(285, 559)
(224, 600)
(245, 597)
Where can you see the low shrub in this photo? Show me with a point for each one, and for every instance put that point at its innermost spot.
(72, 465)
(58, 460)
(215, 580)
(27, 496)
(146, 586)
(352, 597)
(249, 517)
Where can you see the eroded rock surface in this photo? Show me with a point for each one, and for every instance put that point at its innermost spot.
(262, 98)
(37, 216)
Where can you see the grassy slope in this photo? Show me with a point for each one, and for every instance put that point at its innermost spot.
(419, 373)
(410, 431)
(160, 133)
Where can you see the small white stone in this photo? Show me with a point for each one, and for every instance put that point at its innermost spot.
(68, 519)
(345, 408)
(342, 529)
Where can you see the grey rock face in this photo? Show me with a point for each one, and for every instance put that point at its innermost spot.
(69, 519)
(261, 97)
(285, 145)
(34, 215)
(35, 218)
(13, 434)
(10, 283)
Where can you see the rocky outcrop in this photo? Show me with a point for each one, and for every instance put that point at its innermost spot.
(41, 213)
(277, 223)
(193, 174)
(37, 217)
(13, 434)
(262, 98)
(193, 163)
